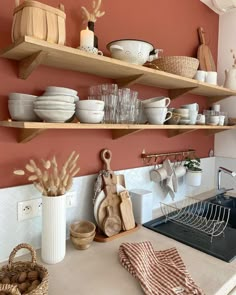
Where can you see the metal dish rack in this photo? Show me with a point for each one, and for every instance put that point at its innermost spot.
(206, 217)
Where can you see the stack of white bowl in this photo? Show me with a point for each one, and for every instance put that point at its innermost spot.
(21, 107)
(156, 110)
(90, 111)
(57, 104)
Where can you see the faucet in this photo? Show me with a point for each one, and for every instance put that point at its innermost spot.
(227, 171)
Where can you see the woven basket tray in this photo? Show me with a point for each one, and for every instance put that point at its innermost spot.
(12, 271)
(184, 66)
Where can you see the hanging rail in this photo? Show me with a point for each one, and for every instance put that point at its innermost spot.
(147, 158)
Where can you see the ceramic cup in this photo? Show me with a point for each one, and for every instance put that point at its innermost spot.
(221, 120)
(200, 76)
(184, 113)
(193, 117)
(211, 78)
(174, 120)
(216, 107)
(191, 106)
(157, 102)
(157, 116)
(158, 175)
(201, 119)
(180, 171)
(91, 50)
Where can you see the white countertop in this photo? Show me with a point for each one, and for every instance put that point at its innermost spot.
(97, 270)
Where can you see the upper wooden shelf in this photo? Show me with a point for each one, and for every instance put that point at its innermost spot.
(32, 52)
(28, 130)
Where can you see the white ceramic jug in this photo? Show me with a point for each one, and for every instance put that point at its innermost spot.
(230, 78)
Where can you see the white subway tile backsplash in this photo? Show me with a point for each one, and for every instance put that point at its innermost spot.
(13, 232)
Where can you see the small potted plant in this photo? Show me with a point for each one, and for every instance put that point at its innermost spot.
(194, 171)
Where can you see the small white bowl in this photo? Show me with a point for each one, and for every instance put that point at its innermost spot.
(60, 90)
(54, 116)
(90, 104)
(22, 112)
(86, 116)
(21, 96)
(62, 98)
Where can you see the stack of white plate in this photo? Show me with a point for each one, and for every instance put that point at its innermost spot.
(57, 104)
(21, 107)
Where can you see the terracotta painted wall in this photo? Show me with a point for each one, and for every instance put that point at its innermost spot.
(171, 25)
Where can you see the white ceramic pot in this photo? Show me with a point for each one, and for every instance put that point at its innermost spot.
(53, 244)
(193, 178)
(133, 51)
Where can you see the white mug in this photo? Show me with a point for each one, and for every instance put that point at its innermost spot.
(180, 171)
(193, 117)
(200, 76)
(216, 107)
(191, 106)
(158, 175)
(221, 120)
(211, 78)
(201, 119)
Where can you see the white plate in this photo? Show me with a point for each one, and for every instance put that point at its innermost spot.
(101, 196)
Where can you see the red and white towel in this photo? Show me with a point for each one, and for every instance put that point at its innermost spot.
(158, 272)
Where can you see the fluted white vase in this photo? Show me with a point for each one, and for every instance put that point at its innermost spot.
(53, 244)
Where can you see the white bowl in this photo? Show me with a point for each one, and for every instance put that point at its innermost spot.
(60, 90)
(130, 50)
(51, 105)
(22, 112)
(90, 104)
(55, 98)
(21, 96)
(59, 96)
(86, 116)
(57, 116)
(20, 102)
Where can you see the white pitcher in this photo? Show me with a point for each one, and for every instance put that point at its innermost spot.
(230, 78)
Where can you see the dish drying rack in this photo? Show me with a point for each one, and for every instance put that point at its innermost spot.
(203, 216)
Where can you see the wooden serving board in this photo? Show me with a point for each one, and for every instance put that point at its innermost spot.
(111, 223)
(126, 210)
(204, 55)
(102, 238)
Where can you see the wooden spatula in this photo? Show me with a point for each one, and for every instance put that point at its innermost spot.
(206, 61)
(126, 211)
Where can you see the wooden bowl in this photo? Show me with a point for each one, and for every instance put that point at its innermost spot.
(82, 243)
(82, 229)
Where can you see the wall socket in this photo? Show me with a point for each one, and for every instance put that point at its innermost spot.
(33, 208)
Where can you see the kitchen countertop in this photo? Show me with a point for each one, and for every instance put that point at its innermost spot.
(98, 270)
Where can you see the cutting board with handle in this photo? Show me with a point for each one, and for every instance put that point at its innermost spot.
(111, 199)
(111, 223)
(106, 156)
(204, 55)
(126, 210)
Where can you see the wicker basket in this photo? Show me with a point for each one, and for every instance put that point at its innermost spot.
(14, 269)
(38, 20)
(179, 65)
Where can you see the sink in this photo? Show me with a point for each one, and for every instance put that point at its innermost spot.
(228, 202)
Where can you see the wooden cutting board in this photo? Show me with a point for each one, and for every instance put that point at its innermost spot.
(111, 223)
(111, 199)
(206, 61)
(106, 156)
(126, 210)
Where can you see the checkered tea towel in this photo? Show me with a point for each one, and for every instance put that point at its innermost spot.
(158, 272)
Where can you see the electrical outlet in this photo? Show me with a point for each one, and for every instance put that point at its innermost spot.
(27, 209)
(33, 208)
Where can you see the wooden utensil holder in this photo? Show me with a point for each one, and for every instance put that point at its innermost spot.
(38, 20)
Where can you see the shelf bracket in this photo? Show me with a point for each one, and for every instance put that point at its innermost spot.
(127, 81)
(26, 135)
(214, 131)
(30, 63)
(117, 133)
(216, 99)
(173, 93)
(173, 133)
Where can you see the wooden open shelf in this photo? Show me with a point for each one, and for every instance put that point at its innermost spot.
(28, 130)
(32, 52)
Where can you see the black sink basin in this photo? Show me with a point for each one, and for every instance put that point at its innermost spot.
(228, 202)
